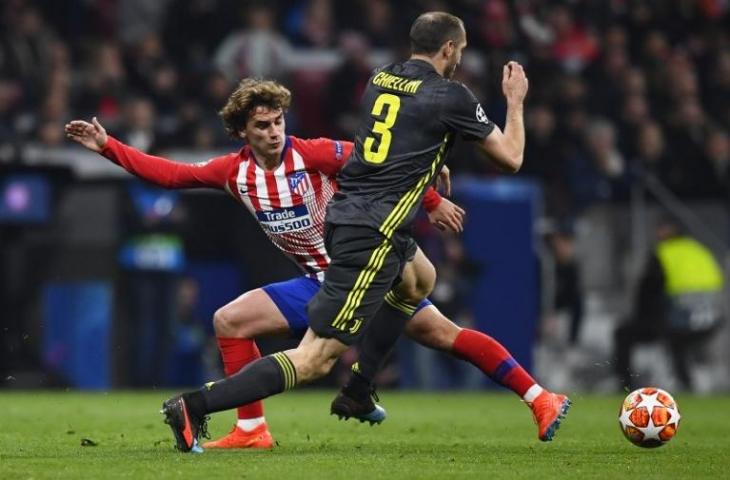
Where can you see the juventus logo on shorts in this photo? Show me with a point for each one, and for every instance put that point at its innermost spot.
(353, 326)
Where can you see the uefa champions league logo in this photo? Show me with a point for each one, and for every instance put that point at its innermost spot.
(481, 116)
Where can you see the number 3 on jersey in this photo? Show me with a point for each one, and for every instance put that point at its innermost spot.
(382, 127)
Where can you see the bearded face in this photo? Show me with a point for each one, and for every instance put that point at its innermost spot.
(454, 59)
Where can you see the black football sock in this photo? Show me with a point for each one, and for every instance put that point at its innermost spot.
(377, 343)
(260, 379)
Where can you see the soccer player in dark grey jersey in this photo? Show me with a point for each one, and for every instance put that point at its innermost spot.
(411, 113)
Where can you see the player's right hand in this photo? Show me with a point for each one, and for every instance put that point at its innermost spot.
(447, 216)
(514, 82)
(90, 135)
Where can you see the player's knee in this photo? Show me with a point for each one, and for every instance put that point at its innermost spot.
(226, 324)
(425, 282)
(416, 292)
(220, 320)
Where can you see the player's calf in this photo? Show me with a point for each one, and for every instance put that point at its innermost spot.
(315, 356)
(432, 329)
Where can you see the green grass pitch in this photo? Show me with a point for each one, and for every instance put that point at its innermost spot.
(435, 435)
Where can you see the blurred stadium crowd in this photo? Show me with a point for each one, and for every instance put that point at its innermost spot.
(619, 90)
(617, 87)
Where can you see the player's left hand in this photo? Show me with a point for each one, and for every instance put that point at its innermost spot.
(447, 216)
(443, 181)
(90, 135)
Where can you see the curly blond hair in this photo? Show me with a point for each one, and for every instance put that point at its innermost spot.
(252, 93)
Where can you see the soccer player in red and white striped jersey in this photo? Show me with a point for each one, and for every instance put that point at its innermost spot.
(286, 183)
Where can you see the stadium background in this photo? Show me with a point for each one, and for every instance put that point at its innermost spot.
(107, 282)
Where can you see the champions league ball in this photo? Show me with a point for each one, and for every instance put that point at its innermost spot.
(649, 417)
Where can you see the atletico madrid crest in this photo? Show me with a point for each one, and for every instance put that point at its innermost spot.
(299, 183)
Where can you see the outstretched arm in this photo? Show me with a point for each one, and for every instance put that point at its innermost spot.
(160, 171)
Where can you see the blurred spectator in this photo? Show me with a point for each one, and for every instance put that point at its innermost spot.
(50, 134)
(573, 46)
(572, 92)
(678, 300)
(347, 84)
(186, 363)
(606, 78)
(311, 24)
(26, 50)
(10, 99)
(498, 27)
(142, 61)
(634, 113)
(717, 154)
(139, 128)
(257, 50)
(688, 132)
(652, 155)
(541, 129)
(138, 19)
(193, 29)
(657, 74)
(189, 121)
(634, 82)
(456, 279)
(598, 172)
(632, 63)
(717, 94)
(217, 90)
(544, 158)
(105, 83)
(375, 19)
(568, 291)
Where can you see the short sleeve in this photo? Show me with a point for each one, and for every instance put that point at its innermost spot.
(463, 113)
(323, 154)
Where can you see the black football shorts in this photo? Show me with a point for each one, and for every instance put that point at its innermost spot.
(364, 266)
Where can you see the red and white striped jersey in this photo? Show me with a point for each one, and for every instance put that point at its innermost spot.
(289, 201)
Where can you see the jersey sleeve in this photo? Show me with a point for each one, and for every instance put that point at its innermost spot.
(324, 154)
(463, 113)
(431, 199)
(167, 173)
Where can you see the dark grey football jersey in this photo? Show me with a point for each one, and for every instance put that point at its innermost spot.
(410, 116)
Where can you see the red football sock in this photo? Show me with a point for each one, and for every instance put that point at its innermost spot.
(493, 359)
(236, 354)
